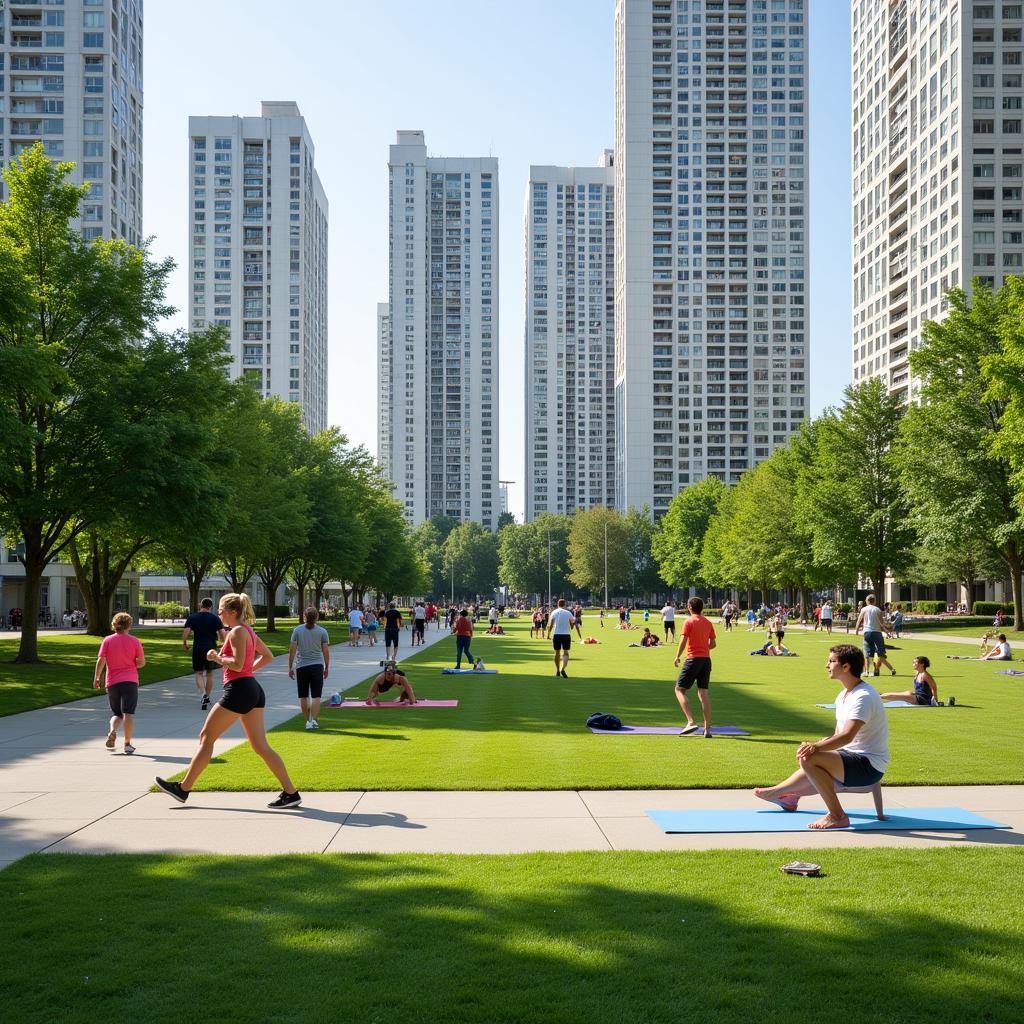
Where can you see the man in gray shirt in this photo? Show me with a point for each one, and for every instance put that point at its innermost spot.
(870, 620)
(311, 643)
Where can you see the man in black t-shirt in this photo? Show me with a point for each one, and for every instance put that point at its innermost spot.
(207, 631)
(392, 624)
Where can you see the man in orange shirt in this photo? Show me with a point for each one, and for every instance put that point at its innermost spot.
(698, 641)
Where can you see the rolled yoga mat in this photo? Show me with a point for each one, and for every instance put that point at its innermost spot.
(350, 704)
(669, 730)
(906, 819)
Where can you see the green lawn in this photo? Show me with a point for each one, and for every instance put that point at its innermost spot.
(973, 632)
(524, 729)
(652, 938)
(66, 670)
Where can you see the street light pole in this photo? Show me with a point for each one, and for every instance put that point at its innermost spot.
(549, 569)
(453, 578)
(606, 564)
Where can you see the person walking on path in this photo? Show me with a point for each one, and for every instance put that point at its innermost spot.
(311, 645)
(355, 626)
(243, 654)
(463, 630)
(370, 624)
(121, 655)
(561, 624)
(668, 619)
(207, 631)
(419, 624)
(855, 756)
(870, 620)
(826, 617)
(697, 640)
(392, 624)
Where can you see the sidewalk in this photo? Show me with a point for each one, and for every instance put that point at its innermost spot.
(62, 791)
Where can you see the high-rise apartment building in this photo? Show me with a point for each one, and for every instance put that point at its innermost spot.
(71, 77)
(443, 267)
(258, 251)
(711, 248)
(938, 166)
(385, 423)
(570, 338)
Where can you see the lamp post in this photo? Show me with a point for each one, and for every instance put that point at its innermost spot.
(549, 570)
(452, 573)
(606, 564)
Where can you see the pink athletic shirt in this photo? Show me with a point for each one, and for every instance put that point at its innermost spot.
(250, 656)
(121, 650)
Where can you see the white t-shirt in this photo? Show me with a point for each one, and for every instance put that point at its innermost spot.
(872, 615)
(561, 622)
(1003, 652)
(355, 619)
(419, 613)
(864, 704)
(668, 613)
(826, 611)
(493, 615)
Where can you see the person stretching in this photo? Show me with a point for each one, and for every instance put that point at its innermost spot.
(698, 641)
(855, 756)
(561, 624)
(243, 654)
(391, 676)
(1001, 651)
(925, 692)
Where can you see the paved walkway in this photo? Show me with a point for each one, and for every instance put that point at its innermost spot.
(62, 791)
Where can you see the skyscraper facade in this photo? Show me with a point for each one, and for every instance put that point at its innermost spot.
(711, 303)
(570, 338)
(258, 251)
(71, 77)
(385, 423)
(443, 270)
(938, 167)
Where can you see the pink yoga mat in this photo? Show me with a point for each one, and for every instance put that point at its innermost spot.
(349, 704)
(669, 730)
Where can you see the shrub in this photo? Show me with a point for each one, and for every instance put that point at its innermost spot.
(930, 607)
(280, 611)
(842, 609)
(991, 607)
(970, 621)
(170, 610)
(146, 611)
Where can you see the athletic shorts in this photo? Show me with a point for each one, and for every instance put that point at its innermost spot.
(123, 698)
(695, 670)
(419, 625)
(561, 641)
(242, 695)
(310, 681)
(780, 633)
(858, 770)
(199, 662)
(372, 628)
(826, 622)
(924, 700)
(874, 643)
(670, 626)
(391, 637)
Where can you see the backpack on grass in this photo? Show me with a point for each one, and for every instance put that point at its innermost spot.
(602, 720)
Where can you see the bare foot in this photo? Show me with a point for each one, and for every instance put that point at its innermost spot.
(829, 822)
(787, 801)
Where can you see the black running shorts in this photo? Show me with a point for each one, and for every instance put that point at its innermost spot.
(242, 695)
(561, 641)
(310, 681)
(123, 698)
(199, 662)
(695, 670)
(390, 637)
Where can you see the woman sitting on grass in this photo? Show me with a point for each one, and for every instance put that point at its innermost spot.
(649, 639)
(925, 691)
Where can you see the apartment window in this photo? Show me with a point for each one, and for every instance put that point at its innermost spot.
(93, 39)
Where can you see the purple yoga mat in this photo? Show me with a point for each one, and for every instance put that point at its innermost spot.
(348, 704)
(669, 730)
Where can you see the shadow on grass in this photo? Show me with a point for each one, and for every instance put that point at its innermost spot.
(524, 940)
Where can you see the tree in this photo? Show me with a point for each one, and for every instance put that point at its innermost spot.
(505, 519)
(862, 526)
(72, 317)
(594, 534)
(965, 561)
(678, 543)
(426, 539)
(524, 550)
(958, 446)
(643, 569)
(471, 553)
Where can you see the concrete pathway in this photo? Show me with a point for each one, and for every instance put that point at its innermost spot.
(62, 791)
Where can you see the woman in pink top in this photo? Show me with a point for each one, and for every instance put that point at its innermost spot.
(242, 654)
(122, 656)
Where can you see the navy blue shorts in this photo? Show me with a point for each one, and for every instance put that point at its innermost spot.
(858, 770)
(874, 643)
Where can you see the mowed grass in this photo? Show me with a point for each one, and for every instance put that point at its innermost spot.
(525, 729)
(651, 938)
(66, 670)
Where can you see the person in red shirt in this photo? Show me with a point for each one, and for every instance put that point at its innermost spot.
(698, 641)
(463, 630)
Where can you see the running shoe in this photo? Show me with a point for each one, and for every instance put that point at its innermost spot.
(206, 702)
(565, 675)
(688, 729)
(129, 749)
(111, 739)
(708, 734)
(172, 789)
(286, 800)
(314, 724)
(309, 724)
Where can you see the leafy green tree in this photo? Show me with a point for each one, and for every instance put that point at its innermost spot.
(958, 447)
(862, 526)
(505, 519)
(73, 319)
(426, 539)
(644, 577)
(964, 561)
(471, 554)
(524, 548)
(678, 543)
(598, 537)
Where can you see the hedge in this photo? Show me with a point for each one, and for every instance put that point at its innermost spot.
(931, 607)
(147, 611)
(968, 621)
(280, 611)
(991, 607)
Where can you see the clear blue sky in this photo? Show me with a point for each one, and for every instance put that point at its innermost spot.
(527, 81)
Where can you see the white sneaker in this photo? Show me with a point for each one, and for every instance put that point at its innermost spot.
(309, 724)
(314, 724)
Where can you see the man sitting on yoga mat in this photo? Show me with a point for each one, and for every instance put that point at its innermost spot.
(391, 676)
(855, 756)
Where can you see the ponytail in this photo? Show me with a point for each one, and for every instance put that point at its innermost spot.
(241, 605)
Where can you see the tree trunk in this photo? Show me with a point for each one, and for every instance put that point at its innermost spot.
(344, 598)
(28, 646)
(1014, 562)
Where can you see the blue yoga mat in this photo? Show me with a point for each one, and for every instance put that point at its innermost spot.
(887, 703)
(469, 672)
(916, 819)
